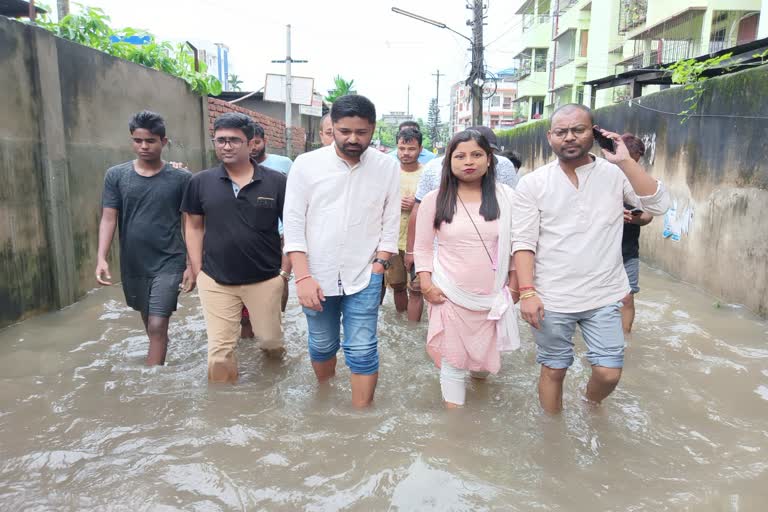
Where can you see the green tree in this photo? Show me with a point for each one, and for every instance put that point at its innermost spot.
(433, 123)
(90, 27)
(690, 74)
(234, 82)
(341, 88)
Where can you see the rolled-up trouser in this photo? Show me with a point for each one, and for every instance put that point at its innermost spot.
(222, 309)
(453, 383)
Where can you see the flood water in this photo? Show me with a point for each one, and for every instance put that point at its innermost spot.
(85, 426)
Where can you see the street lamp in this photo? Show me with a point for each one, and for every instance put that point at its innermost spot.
(430, 21)
(476, 76)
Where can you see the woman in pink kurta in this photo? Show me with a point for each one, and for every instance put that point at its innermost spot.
(467, 244)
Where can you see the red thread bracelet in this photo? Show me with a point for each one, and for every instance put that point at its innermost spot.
(302, 278)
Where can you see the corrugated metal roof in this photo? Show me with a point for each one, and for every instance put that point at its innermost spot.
(17, 8)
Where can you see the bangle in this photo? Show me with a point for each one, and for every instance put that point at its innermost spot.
(303, 278)
(512, 290)
(527, 288)
(427, 290)
(409, 252)
(528, 295)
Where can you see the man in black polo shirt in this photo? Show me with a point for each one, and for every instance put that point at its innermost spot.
(234, 245)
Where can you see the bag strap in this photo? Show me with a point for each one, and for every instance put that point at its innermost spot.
(476, 230)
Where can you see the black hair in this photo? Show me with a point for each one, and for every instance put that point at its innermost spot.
(408, 135)
(353, 105)
(448, 194)
(258, 130)
(151, 121)
(570, 107)
(236, 121)
(514, 157)
(412, 124)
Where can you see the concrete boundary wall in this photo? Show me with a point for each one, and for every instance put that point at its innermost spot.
(65, 111)
(716, 168)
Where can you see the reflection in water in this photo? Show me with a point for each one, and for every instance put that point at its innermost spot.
(85, 426)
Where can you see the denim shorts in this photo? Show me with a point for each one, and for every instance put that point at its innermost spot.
(359, 314)
(632, 268)
(601, 329)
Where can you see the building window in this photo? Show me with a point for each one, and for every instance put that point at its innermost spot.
(540, 60)
(495, 101)
(566, 48)
(537, 108)
(507, 102)
(584, 43)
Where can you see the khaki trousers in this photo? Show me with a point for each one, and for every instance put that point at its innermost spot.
(222, 309)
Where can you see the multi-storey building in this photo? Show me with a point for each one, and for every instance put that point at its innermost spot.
(499, 107)
(567, 42)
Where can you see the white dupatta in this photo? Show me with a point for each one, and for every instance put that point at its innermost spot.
(499, 303)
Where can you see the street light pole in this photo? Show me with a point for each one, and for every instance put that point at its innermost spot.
(477, 73)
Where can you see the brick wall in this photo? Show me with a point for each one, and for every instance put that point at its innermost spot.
(273, 128)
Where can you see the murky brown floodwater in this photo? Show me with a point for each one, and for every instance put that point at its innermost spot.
(86, 427)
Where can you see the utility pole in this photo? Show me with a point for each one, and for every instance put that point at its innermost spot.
(62, 8)
(477, 74)
(408, 101)
(288, 85)
(437, 90)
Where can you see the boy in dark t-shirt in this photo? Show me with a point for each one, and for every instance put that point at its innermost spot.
(143, 197)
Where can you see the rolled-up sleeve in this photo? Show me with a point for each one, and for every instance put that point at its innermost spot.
(656, 204)
(295, 210)
(525, 218)
(390, 225)
(424, 243)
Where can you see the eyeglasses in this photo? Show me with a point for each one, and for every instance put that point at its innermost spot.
(234, 142)
(577, 131)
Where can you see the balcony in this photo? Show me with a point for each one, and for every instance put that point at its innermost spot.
(537, 35)
(534, 84)
(569, 74)
(632, 14)
(570, 19)
(531, 20)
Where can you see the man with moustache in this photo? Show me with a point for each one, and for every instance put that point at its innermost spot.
(567, 227)
(342, 218)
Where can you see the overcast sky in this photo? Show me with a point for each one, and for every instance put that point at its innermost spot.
(363, 40)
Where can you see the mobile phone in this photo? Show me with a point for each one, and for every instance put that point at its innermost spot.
(603, 141)
(635, 212)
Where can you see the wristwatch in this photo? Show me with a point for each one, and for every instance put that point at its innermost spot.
(285, 275)
(383, 263)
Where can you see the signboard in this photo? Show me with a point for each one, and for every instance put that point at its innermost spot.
(301, 90)
(316, 109)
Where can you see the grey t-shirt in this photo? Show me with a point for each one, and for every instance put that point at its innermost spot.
(149, 218)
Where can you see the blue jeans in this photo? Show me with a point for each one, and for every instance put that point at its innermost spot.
(359, 313)
(600, 327)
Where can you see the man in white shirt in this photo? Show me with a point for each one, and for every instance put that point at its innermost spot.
(342, 219)
(567, 224)
(326, 130)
